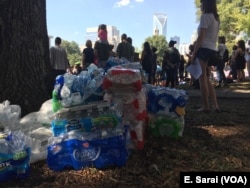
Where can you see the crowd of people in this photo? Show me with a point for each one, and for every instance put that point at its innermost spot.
(172, 70)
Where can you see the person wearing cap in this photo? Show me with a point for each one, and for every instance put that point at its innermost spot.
(171, 61)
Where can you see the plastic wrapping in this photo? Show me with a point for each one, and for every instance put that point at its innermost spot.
(72, 90)
(119, 78)
(14, 155)
(9, 115)
(77, 150)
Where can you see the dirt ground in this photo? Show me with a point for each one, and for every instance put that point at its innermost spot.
(211, 142)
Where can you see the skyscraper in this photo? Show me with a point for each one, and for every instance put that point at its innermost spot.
(160, 24)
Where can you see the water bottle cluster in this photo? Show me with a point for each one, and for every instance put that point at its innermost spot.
(85, 133)
(71, 90)
(114, 61)
(94, 137)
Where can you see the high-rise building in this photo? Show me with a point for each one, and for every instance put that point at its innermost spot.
(184, 49)
(160, 24)
(113, 35)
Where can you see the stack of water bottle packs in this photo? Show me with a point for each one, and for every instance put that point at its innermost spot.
(123, 85)
(100, 115)
(87, 131)
(87, 135)
(97, 117)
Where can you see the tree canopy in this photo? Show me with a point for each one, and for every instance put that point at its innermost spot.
(158, 41)
(73, 51)
(234, 19)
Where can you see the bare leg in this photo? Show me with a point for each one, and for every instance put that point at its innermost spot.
(212, 92)
(204, 86)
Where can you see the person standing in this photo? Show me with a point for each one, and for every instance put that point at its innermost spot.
(101, 47)
(58, 58)
(205, 48)
(146, 61)
(240, 61)
(221, 63)
(154, 64)
(130, 41)
(171, 64)
(124, 49)
(233, 72)
(87, 55)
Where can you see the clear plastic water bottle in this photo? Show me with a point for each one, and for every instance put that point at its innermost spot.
(68, 79)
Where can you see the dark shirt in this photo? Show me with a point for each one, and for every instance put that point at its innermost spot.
(89, 56)
(124, 49)
(182, 63)
(154, 62)
(171, 58)
(146, 62)
(102, 49)
(240, 61)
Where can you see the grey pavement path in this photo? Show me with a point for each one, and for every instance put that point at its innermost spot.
(233, 90)
(226, 93)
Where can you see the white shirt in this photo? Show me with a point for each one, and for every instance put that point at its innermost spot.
(211, 25)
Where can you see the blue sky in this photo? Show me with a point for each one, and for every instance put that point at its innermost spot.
(70, 18)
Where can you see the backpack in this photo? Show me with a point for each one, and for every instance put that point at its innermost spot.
(226, 56)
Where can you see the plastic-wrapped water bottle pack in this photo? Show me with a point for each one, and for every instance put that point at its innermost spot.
(71, 90)
(166, 107)
(166, 101)
(125, 79)
(14, 155)
(83, 149)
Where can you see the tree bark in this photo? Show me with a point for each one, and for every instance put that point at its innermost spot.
(24, 54)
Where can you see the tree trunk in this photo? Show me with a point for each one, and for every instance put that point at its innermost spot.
(24, 53)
